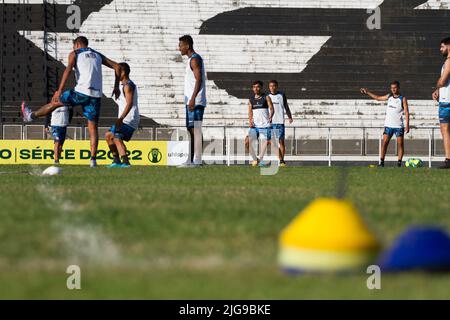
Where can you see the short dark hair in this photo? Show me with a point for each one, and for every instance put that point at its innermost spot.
(446, 41)
(397, 83)
(81, 40)
(274, 82)
(125, 67)
(258, 82)
(187, 39)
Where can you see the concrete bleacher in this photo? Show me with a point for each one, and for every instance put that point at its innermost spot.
(145, 34)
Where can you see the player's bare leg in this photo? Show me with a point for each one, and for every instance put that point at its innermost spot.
(282, 151)
(401, 150)
(93, 135)
(445, 131)
(29, 116)
(192, 145)
(57, 150)
(112, 147)
(263, 148)
(122, 152)
(384, 147)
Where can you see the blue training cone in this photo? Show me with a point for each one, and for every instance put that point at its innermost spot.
(419, 248)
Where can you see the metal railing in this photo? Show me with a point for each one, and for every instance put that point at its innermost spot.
(226, 144)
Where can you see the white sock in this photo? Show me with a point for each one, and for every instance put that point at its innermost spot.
(198, 143)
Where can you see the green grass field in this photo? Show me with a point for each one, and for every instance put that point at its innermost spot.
(207, 233)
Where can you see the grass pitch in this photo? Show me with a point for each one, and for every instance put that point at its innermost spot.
(207, 233)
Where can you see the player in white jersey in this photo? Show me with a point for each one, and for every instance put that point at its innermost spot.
(194, 98)
(281, 107)
(88, 92)
(128, 119)
(59, 120)
(260, 114)
(397, 120)
(442, 95)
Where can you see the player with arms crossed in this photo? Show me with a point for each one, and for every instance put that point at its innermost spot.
(195, 98)
(260, 114)
(442, 95)
(88, 92)
(280, 105)
(128, 121)
(397, 109)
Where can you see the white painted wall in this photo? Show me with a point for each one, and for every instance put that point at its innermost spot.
(145, 34)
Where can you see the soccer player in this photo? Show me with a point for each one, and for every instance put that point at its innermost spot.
(87, 64)
(442, 95)
(397, 109)
(194, 97)
(260, 114)
(280, 105)
(60, 119)
(127, 122)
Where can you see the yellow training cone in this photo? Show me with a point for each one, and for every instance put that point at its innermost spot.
(328, 236)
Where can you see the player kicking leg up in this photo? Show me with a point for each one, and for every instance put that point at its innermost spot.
(127, 122)
(442, 95)
(87, 64)
(260, 114)
(280, 106)
(397, 109)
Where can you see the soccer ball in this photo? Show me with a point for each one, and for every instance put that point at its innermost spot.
(414, 163)
(52, 171)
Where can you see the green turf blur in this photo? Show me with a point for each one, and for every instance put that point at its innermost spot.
(197, 233)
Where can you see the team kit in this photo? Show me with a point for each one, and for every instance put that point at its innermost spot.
(267, 111)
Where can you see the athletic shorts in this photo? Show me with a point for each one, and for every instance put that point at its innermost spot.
(444, 113)
(59, 134)
(193, 116)
(91, 106)
(125, 133)
(399, 132)
(264, 133)
(279, 130)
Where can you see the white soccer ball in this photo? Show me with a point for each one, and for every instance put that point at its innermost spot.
(52, 171)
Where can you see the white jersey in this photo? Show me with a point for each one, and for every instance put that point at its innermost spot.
(444, 93)
(60, 117)
(88, 72)
(189, 83)
(279, 101)
(260, 108)
(394, 112)
(133, 117)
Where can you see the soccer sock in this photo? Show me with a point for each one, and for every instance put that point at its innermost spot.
(125, 160)
(116, 159)
(94, 158)
(198, 143)
(399, 163)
